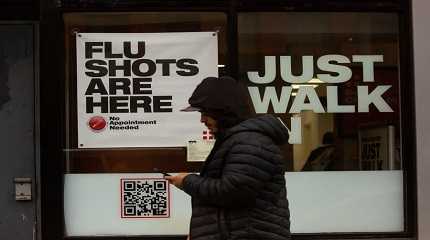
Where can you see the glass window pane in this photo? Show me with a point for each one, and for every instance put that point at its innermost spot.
(132, 189)
(130, 160)
(342, 70)
(334, 80)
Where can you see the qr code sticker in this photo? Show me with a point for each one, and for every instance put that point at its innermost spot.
(145, 198)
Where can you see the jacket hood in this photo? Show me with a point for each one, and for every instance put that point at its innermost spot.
(265, 124)
(223, 96)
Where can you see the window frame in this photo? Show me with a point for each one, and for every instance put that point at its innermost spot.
(52, 141)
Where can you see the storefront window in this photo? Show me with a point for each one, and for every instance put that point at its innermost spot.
(334, 79)
(129, 59)
(346, 66)
(131, 159)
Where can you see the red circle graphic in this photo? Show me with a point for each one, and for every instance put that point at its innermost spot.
(97, 123)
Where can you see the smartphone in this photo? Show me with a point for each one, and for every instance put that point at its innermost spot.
(158, 171)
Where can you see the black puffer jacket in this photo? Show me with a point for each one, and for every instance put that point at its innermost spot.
(240, 193)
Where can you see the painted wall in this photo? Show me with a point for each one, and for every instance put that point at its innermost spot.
(16, 128)
(421, 35)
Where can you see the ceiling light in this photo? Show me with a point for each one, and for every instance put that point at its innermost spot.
(297, 86)
(315, 80)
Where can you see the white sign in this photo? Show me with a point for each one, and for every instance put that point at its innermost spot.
(131, 87)
(198, 151)
(356, 201)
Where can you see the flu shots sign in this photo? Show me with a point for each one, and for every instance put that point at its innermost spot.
(131, 87)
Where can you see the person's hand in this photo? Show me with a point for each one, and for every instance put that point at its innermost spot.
(188, 237)
(177, 180)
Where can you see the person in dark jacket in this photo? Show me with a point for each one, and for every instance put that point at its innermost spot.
(240, 192)
(324, 157)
